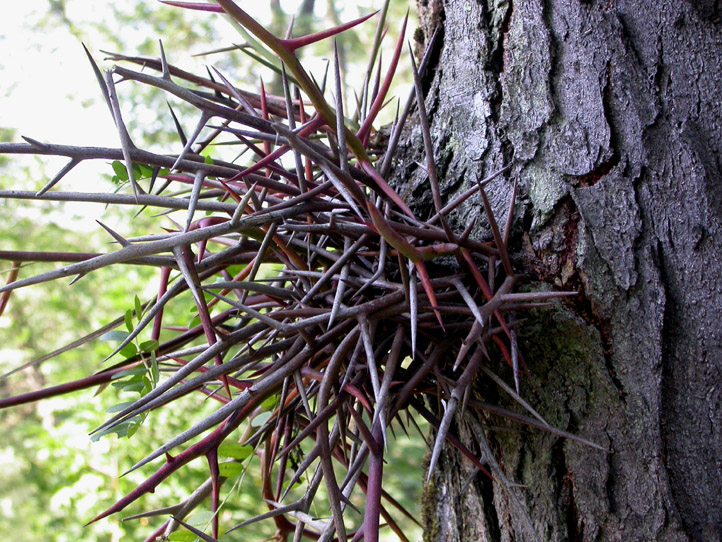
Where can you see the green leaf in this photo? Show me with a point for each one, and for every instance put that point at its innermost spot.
(235, 450)
(195, 322)
(115, 335)
(129, 350)
(132, 430)
(118, 407)
(145, 171)
(200, 519)
(149, 346)
(138, 308)
(154, 368)
(137, 173)
(129, 320)
(121, 430)
(270, 402)
(120, 170)
(208, 160)
(132, 387)
(134, 372)
(233, 270)
(230, 470)
(182, 536)
(259, 420)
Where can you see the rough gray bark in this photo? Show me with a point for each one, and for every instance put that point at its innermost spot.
(611, 109)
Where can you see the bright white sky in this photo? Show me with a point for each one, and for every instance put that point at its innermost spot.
(48, 90)
(46, 76)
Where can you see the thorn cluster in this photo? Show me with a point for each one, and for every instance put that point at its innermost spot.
(356, 330)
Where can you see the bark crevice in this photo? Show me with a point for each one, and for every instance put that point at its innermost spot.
(611, 110)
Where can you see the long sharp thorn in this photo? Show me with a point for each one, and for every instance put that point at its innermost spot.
(441, 436)
(498, 239)
(292, 126)
(197, 532)
(153, 177)
(515, 359)
(301, 389)
(428, 147)
(35, 143)
(101, 81)
(514, 395)
(374, 51)
(237, 95)
(468, 300)
(55, 180)
(280, 510)
(119, 238)
(292, 44)
(341, 286)
(380, 98)
(178, 127)
(429, 289)
(122, 255)
(242, 204)
(414, 310)
(340, 125)
(195, 194)
(76, 279)
(466, 195)
(188, 275)
(389, 370)
(165, 70)
(462, 384)
(396, 133)
(260, 255)
(370, 357)
(468, 342)
(125, 141)
(510, 215)
(205, 117)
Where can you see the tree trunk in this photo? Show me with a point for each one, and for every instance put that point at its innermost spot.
(610, 110)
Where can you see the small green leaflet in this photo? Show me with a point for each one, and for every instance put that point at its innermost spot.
(182, 536)
(129, 320)
(120, 170)
(200, 519)
(118, 407)
(138, 308)
(148, 346)
(270, 402)
(259, 420)
(130, 387)
(129, 350)
(234, 450)
(230, 470)
(135, 371)
(140, 171)
(115, 335)
(154, 367)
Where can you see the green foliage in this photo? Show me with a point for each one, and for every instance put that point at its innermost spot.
(39, 438)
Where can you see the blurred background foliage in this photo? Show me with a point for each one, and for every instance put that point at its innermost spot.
(52, 477)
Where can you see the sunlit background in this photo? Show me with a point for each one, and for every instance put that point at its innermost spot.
(52, 477)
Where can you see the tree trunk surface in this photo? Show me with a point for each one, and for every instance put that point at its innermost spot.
(610, 110)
